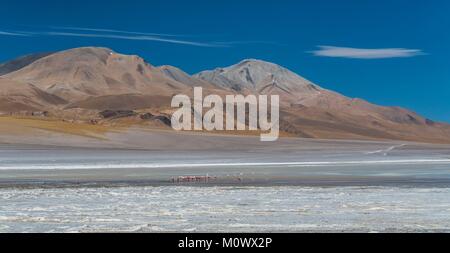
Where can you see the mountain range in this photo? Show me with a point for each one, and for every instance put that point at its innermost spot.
(83, 83)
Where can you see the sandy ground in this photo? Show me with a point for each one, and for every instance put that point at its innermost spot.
(54, 132)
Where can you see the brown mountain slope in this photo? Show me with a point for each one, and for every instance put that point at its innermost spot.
(18, 96)
(311, 111)
(80, 73)
(96, 78)
(88, 80)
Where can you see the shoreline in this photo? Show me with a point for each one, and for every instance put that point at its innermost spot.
(205, 177)
(294, 162)
(330, 184)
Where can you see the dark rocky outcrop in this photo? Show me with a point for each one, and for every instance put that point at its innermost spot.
(161, 118)
(146, 116)
(114, 114)
(164, 119)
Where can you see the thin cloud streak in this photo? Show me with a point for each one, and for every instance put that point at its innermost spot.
(112, 31)
(361, 53)
(127, 37)
(12, 33)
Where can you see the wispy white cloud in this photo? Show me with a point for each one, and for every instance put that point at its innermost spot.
(115, 34)
(12, 33)
(132, 37)
(87, 29)
(362, 53)
(106, 33)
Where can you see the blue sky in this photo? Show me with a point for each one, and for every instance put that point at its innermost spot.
(324, 41)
